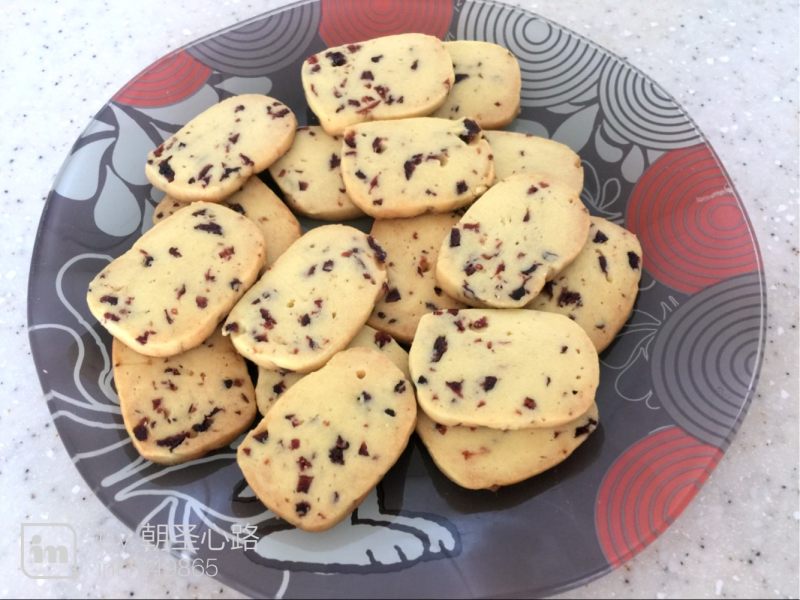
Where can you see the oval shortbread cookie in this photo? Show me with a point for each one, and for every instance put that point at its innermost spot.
(480, 458)
(211, 156)
(312, 301)
(517, 153)
(171, 289)
(511, 241)
(259, 204)
(310, 176)
(181, 407)
(412, 247)
(392, 77)
(487, 84)
(598, 289)
(273, 382)
(505, 369)
(328, 441)
(406, 168)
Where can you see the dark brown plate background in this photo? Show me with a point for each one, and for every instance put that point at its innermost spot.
(674, 386)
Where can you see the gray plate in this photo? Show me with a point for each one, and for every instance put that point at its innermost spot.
(674, 386)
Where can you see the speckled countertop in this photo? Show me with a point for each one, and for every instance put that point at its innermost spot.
(732, 64)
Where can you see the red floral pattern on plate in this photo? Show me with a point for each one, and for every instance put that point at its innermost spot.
(693, 231)
(167, 81)
(347, 21)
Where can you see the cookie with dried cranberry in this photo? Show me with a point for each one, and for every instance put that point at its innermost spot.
(259, 204)
(479, 458)
(406, 168)
(330, 439)
(598, 289)
(181, 407)
(310, 176)
(504, 369)
(487, 84)
(312, 302)
(510, 242)
(178, 281)
(412, 246)
(211, 156)
(392, 77)
(273, 382)
(517, 153)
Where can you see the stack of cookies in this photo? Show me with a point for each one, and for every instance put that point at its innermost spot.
(481, 258)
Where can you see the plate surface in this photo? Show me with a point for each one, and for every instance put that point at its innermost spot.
(674, 387)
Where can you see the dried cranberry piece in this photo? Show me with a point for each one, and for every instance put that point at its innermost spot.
(518, 293)
(456, 387)
(302, 508)
(479, 324)
(261, 437)
(201, 301)
(600, 237)
(603, 264)
(382, 338)
(269, 322)
(529, 403)
(567, 297)
(336, 454)
(633, 260)
(112, 300)
(140, 431)
(212, 228)
(400, 387)
(461, 187)
(362, 450)
(471, 129)
(390, 412)
(530, 270)
(337, 58)
(489, 382)
(207, 421)
(393, 295)
(439, 348)
(380, 253)
(411, 164)
(165, 170)
(172, 441)
(586, 429)
(304, 483)
(334, 162)
(455, 237)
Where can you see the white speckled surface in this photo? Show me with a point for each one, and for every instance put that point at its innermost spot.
(731, 64)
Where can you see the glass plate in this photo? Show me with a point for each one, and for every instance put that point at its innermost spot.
(674, 387)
